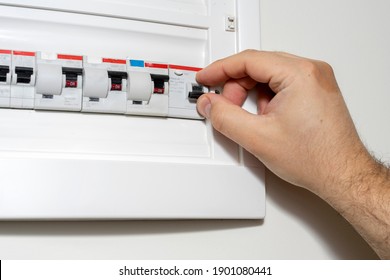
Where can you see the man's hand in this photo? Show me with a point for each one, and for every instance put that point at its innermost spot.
(303, 132)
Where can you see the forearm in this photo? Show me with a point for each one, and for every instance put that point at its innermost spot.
(362, 196)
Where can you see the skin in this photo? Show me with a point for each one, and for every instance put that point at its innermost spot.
(303, 132)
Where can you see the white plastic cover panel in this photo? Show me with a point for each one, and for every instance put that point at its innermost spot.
(67, 165)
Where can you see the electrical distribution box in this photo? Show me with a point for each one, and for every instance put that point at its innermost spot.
(153, 156)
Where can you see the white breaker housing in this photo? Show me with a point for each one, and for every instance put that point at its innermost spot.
(59, 82)
(147, 88)
(23, 80)
(184, 92)
(5, 78)
(104, 85)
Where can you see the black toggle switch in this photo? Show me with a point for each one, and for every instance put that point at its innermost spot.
(116, 79)
(196, 92)
(23, 74)
(194, 95)
(159, 81)
(71, 76)
(4, 70)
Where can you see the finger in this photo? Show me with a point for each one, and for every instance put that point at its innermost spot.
(263, 67)
(237, 90)
(230, 119)
(265, 94)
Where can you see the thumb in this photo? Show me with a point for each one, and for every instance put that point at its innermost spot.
(230, 119)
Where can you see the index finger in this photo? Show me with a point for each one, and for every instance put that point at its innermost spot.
(261, 66)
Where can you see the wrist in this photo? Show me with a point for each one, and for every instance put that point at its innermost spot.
(361, 195)
(349, 179)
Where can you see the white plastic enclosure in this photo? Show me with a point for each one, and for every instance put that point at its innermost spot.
(68, 165)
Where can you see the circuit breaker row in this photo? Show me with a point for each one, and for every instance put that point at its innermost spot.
(51, 81)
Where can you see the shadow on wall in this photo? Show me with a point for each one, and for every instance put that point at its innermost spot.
(340, 238)
(132, 227)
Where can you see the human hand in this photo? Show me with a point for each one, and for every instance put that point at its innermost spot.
(303, 131)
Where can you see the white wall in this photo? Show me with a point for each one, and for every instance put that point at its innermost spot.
(354, 37)
(351, 35)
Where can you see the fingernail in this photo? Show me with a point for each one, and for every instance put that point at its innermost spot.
(204, 107)
(207, 109)
(197, 75)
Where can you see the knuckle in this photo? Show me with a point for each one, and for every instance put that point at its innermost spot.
(249, 51)
(309, 67)
(282, 53)
(316, 68)
(326, 67)
(318, 73)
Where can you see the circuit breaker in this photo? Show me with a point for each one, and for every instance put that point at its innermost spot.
(23, 80)
(184, 92)
(5, 78)
(105, 85)
(59, 82)
(148, 88)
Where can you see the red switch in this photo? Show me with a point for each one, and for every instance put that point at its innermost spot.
(116, 87)
(71, 84)
(158, 90)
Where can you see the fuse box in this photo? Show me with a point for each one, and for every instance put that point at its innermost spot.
(151, 155)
